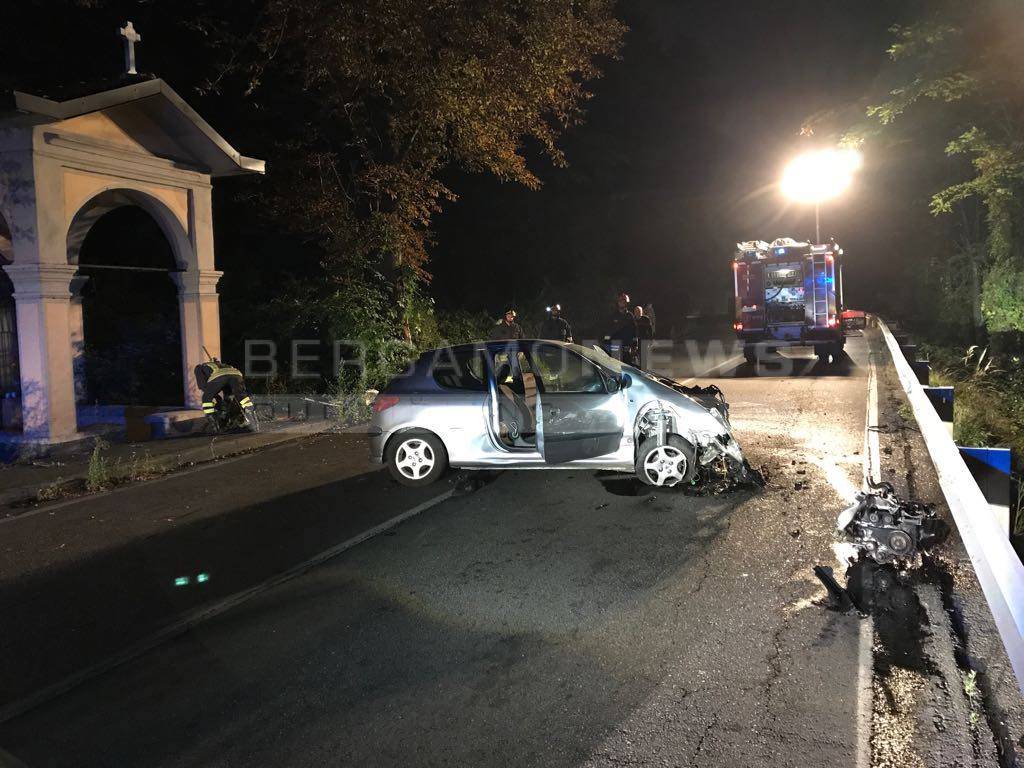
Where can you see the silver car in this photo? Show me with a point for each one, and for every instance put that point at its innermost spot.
(531, 404)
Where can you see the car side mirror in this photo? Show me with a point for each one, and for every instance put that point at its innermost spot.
(625, 381)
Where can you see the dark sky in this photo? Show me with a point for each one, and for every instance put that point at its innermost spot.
(685, 140)
(679, 157)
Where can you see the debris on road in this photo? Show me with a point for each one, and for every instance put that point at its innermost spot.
(841, 600)
(718, 477)
(725, 475)
(888, 529)
(888, 533)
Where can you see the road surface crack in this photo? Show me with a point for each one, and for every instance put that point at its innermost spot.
(712, 724)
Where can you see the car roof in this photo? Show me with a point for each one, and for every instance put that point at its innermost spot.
(593, 354)
(496, 343)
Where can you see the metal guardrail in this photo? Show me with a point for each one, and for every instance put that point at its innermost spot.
(999, 570)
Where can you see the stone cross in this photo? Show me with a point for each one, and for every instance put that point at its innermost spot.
(131, 37)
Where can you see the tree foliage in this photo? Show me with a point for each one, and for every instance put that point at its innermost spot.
(968, 60)
(360, 107)
(381, 96)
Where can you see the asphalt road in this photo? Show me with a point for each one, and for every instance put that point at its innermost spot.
(548, 618)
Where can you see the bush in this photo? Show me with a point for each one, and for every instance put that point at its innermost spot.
(98, 476)
(349, 397)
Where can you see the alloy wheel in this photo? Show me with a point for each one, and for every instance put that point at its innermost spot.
(415, 458)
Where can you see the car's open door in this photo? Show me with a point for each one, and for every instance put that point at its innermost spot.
(581, 413)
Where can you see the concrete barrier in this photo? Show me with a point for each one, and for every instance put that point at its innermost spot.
(996, 565)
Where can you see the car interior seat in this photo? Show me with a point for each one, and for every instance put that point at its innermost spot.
(518, 420)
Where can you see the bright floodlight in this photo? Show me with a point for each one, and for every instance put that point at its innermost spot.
(819, 176)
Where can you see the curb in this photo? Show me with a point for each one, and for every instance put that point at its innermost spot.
(188, 456)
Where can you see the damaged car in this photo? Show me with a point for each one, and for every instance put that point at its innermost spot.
(532, 404)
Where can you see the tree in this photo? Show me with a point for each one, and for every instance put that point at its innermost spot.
(372, 100)
(358, 106)
(966, 60)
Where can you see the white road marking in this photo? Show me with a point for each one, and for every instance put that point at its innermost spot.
(872, 462)
(865, 651)
(198, 616)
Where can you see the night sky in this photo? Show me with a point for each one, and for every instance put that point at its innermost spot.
(679, 158)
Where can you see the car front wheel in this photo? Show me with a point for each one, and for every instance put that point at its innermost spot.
(416, 458)
(666, 465)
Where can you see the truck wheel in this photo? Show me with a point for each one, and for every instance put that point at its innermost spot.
(416, 458)
(666, 465)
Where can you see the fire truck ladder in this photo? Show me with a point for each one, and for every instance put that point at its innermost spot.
(819, 290)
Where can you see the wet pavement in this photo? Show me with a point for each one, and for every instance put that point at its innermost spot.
(540, 618)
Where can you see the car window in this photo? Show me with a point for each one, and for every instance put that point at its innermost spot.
(464, 369)
(505, 374)
(563, 370)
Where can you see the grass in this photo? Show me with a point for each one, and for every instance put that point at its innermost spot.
(984, 414)
(58, 489)
(988, 407)
(906, 413)
(971, 684)
(98, 475)
(104, 473)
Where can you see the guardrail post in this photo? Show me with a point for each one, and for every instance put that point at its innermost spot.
(941, 399)
(991, 469)
(923, 370)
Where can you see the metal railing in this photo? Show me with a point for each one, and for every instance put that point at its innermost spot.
(996, 565)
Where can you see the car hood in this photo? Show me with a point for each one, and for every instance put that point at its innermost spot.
(694, 402)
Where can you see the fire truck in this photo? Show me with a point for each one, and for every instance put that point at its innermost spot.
(789, 294)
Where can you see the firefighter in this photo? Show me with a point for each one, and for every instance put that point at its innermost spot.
(644, 334)
(644, 324)
(623, 329)
(555, 326)
(507, 327)
(213, 378)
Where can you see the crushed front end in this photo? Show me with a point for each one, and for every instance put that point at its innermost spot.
(701, 417)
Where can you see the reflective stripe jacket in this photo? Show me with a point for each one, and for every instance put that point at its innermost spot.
(217, 370)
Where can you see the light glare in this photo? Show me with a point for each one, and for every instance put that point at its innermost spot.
(818, 176)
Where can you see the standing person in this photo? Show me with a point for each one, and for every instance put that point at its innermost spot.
(644, 324)
(507, 327)
(644, 333)
(555, 326)
(623, 329)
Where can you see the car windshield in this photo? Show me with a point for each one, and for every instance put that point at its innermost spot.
(598, 356)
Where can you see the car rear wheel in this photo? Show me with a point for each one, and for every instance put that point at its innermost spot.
(416, 458)
(666, 465)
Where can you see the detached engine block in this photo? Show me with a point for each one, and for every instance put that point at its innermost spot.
(888, 529)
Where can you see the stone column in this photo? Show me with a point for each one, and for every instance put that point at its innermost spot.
(199, 305)
(42, 298)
